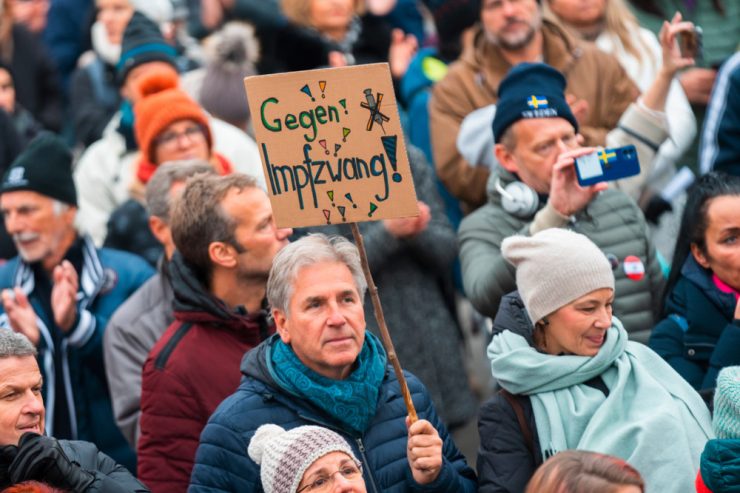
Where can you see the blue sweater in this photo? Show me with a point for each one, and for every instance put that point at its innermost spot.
(222, 463)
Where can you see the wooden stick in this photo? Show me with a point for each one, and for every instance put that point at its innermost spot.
(385, 335)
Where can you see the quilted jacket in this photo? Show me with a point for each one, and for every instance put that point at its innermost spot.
(222, 463)
(191, 369)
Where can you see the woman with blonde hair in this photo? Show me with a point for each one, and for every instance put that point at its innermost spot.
(611, 26)
(579, 471)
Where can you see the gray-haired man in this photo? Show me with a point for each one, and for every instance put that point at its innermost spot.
(25, 453)
(323, 368)
(139, 323)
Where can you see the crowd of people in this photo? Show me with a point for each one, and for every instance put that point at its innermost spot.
(159, 332)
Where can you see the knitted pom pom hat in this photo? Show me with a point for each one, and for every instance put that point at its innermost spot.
(161, 104)
(726, 420)
(554, 267)
(284, 456)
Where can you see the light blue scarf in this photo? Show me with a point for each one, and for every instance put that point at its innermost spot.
(652, 418)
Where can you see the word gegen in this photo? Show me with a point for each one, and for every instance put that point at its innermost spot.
(309, 173)
(306, 119)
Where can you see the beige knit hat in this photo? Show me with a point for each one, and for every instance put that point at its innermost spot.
(555, 267)
(284, 456)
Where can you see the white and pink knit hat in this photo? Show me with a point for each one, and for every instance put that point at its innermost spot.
(284, 456)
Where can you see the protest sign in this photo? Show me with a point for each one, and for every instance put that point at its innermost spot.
(332, 146)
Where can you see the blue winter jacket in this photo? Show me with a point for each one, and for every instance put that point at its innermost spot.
(720, 465)
(222, 463)
(699, 335)
(108, 277)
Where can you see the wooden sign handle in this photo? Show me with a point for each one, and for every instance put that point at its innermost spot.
(385, 335)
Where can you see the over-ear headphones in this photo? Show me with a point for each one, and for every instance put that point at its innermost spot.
(518, 199)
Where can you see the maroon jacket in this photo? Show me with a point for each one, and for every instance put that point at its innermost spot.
(193, 367)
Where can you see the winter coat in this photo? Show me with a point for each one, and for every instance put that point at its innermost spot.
(720, 467)
(415, 272)
(699, 335)
(190, 370)
(109, 476)
(67, 33)
(611, 220)
(472, 82)
(506, 458)
(95, 98)
(107, 279)
(222, 463)
(37, 86)
(131, 334)
(106, 170)
(720, 140)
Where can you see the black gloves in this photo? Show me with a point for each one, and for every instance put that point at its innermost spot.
(41, 458)
(7, 454)
(656, 207)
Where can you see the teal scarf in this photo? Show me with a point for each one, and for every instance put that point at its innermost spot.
(351, 401)
(652, 418)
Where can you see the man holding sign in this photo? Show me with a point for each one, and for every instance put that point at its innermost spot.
(323, 368)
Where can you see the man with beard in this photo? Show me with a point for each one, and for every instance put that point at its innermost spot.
(60, 292)
(226, 238)
(512, 32)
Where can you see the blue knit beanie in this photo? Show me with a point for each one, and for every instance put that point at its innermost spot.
(726, 421)
(530, 90)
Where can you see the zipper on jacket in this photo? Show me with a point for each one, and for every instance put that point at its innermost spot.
(364, 460)
(162, 358)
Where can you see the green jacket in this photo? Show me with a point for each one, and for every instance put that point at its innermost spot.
(612, 221)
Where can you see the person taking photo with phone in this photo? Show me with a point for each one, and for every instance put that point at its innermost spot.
(536, 143)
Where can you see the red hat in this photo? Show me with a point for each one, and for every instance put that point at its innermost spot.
(161, 104)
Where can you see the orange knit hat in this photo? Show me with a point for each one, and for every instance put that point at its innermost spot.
(162, 103)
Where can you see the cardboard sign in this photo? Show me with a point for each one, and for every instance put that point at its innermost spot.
(332, 146)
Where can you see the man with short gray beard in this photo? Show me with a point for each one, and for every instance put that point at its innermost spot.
(512, 32)
(60, 292)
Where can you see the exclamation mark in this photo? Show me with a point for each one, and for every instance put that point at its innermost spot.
(322, 143)
(330, 193)
(348, 196)
(341, 211)
(345, 133)
(373, 208)
(322, 86)
(307, 90)
(389, 144)
(327, 215)
(343, 102)
(336, 149)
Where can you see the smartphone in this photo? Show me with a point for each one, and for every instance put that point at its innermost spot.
(607, 165)
(690, 43)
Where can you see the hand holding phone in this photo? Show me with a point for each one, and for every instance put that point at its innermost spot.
(607, 165)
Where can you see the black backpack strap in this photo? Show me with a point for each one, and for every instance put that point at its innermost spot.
(523, 425)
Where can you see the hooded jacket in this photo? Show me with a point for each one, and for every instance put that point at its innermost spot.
(222, 463)
(699, 334)
(611, 220)
(193, 367)
(472, 82)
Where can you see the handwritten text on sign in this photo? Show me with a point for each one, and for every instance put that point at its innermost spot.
(332, 146)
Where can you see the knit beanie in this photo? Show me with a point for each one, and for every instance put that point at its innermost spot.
(162, 103)
(531, 90)
(142, 43)
(45, 167)
(231, 54)
(726, 420)
(284, 456)
(555, 267)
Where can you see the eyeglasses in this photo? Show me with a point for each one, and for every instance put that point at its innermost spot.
(170, 139)
(349, 471)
